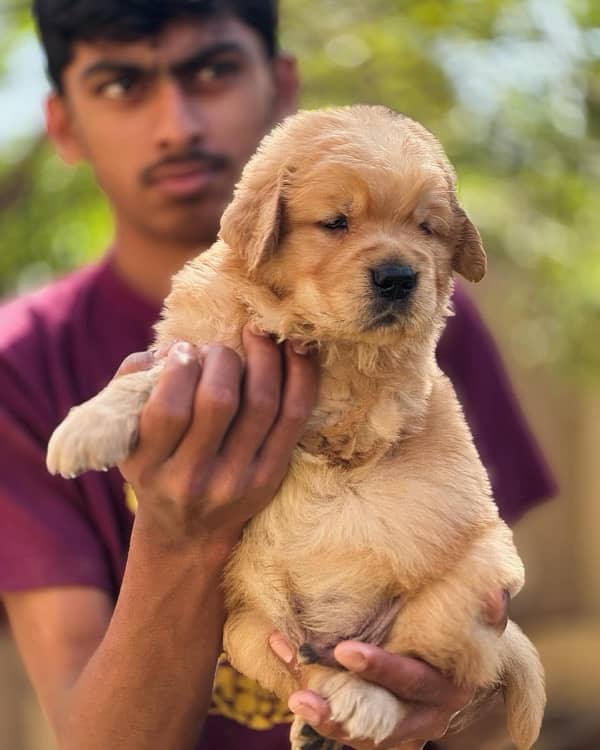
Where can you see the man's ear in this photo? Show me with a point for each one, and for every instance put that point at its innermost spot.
(251, 224)
(60, 128)
(469, 256)
(287, 84)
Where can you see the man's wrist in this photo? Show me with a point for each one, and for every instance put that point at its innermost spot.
(210, 550)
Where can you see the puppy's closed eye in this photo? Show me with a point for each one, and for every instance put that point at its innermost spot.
(337, 223)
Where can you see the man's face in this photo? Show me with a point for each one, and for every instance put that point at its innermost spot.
(169, 122)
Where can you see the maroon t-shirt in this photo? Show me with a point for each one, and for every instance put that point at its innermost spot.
(62, 344)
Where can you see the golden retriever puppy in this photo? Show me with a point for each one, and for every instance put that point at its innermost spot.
(345, 231)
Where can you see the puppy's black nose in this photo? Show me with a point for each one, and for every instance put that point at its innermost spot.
(393, 281)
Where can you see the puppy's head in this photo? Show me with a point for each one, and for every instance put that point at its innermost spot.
(348, 220)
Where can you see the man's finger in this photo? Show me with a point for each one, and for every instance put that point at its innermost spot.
(135, 363)
(495, 609)
(283, 649)
(168, 411)
(409, 679)
(298, 400)
(260, 402)
(216, 403)
(422, 724)
(314, 710)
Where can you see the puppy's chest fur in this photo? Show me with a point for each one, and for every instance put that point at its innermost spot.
(360, 417)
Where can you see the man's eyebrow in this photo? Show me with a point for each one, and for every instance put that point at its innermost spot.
(177, 68)
(205, 55)
(112, 66)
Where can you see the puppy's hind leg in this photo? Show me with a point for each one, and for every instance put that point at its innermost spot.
(363, 710)
(246, 644)
(104, 430)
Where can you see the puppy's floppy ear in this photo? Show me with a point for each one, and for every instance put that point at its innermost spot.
(469, 256)
(251, 224)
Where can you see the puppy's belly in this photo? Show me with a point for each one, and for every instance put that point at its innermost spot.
(320, 562)
(335, 556)
(369, 621)
(319, 598)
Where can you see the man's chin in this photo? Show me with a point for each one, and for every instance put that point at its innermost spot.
(190, 223)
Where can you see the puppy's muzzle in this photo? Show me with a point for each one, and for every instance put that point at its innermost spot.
(393, 282)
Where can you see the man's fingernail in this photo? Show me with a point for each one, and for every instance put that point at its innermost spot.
(163, 350)
(282, 650)
(300, 347)
(353, 660)
(183, 352)
(253, 328)
(303, 347)
(306, 712)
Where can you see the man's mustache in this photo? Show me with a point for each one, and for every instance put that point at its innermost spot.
(198, 157)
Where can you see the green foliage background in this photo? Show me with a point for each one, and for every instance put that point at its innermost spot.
(511, 87)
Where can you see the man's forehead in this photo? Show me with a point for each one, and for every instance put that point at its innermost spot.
(176, 42)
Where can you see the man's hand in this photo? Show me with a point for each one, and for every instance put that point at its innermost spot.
(432, 699)
(216, 437)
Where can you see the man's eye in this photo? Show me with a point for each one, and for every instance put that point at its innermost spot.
(215, 71)
(337, 222)
(118, 88)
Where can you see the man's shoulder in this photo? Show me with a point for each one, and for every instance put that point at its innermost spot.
(40, 314)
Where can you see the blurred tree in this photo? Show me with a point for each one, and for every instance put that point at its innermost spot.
(52, 218)
(512, 89)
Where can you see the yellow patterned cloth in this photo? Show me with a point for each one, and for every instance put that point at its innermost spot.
(243, 700)
(235, 696)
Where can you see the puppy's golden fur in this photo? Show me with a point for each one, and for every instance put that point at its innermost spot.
(385, 528)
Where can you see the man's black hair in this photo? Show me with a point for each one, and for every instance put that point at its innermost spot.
(62, 23)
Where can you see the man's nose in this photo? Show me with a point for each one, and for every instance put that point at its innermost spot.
(179, 120)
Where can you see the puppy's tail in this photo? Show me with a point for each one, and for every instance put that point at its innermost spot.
(524, 690)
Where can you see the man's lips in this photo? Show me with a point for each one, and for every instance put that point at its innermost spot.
(183, 177)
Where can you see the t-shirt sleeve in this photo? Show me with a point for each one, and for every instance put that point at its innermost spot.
(46, 539)
(519, 475)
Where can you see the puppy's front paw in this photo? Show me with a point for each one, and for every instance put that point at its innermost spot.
(104, 430)
(90, 439)
(365, 711)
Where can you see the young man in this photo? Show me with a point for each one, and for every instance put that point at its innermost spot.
(118, 617)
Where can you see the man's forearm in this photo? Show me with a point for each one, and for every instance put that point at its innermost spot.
(150, 680)
(215, 440)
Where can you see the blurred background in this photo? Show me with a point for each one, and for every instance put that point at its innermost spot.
(512, 89)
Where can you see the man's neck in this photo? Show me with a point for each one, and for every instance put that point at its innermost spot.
(147, 264)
